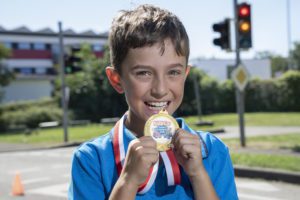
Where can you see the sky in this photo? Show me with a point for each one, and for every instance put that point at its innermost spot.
(269, 20)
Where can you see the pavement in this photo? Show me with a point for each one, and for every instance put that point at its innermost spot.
(229, 132)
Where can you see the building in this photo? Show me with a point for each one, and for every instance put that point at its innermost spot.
(34, 57)
(221, 68)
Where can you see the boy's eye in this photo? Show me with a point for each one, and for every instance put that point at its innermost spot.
(143, 73)
(175, 72)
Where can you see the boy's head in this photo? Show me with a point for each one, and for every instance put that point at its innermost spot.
(144, 26)
(149, 54)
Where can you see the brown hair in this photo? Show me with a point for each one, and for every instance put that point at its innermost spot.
(145, 25)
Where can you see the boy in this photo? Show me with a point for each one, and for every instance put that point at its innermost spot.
(149, 54)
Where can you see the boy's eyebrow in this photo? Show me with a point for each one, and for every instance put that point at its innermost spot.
(148, 66)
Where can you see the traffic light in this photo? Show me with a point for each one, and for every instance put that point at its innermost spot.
(224, 29)
(72, 62)
(244, 25)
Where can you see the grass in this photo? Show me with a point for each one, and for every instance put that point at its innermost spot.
(286, 162)
(82, 133)
(267, 159)
(251, 119)
(55, 135)
(286, 141)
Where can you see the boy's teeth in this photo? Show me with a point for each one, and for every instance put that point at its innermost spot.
(157, 104)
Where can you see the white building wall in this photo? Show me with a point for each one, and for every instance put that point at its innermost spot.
(219, 68)
(50, 39)
(36, 63)
(23, 89)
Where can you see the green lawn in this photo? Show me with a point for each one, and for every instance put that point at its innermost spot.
(286, 141)
(82, 133)
(285, 162)
(251, 119)
(268, 151)
(56, 135)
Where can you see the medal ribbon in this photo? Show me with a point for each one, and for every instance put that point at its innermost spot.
(171, 165)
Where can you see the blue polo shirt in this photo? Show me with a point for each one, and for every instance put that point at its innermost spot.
(94, 172)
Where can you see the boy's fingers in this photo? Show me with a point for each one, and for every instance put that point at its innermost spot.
(182, 137)
(143, 141)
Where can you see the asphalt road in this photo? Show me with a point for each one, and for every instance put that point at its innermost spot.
(45, 175)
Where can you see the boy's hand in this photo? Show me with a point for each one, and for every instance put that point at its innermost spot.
(141, 156)
(187, 150)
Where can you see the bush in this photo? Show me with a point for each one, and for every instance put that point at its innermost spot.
(28, 114)
(289, 91)
(16, 106)
(282, 94)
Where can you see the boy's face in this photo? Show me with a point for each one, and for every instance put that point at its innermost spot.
(152, 81)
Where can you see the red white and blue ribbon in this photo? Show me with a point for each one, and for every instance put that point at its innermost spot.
(168, 157)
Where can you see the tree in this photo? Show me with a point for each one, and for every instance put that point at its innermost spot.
(296, 56)
(279, 64)
(91, 96)
(5, 74)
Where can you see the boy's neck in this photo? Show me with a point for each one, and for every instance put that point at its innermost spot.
(135, 126)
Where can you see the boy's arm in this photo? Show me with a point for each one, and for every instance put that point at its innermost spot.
(187, 149)
(141, 156)
(85, 180)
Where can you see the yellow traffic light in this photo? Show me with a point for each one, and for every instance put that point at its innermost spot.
(245, 26)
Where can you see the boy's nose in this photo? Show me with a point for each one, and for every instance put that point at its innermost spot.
(159, 88)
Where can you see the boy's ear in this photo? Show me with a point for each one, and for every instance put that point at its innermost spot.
(187, 71)
(114, 79)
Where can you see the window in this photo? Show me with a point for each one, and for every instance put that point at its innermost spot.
(26, 71)
(97, 47)
(40, 70)
(24, 45)
(39, 46)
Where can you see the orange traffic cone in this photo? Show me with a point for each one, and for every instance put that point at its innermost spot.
(17, 187)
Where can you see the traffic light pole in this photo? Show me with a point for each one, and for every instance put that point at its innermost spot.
(239, 94)
(63, 85)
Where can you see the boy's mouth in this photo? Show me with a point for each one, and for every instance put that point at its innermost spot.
(157, 105)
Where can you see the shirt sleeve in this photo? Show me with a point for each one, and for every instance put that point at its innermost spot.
(86, 181)
(223, 180)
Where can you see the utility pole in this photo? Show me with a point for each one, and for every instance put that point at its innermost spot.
(239, 94)
(198, 100)
(288, 21)
(64, 100)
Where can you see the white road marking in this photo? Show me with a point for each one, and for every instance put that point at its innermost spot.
(35, 180)
(255, 197)
(59, 190)
(57, 166)
(21, 171)
(257, 185)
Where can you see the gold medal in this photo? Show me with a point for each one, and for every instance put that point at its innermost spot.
(161, 127)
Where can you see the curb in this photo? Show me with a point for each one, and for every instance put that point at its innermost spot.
(18, 149)
(268, 174)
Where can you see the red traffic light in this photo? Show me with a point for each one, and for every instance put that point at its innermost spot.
(244, 10)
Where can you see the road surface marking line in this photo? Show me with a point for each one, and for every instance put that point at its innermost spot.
(255, 197)
(35, 180)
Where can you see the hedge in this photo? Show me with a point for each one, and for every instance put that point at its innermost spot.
(28, 114)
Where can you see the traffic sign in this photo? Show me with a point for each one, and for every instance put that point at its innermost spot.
(240, 76)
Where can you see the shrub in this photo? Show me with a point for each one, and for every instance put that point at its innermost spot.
(28, 114)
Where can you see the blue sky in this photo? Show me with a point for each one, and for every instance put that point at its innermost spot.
(269, 19)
